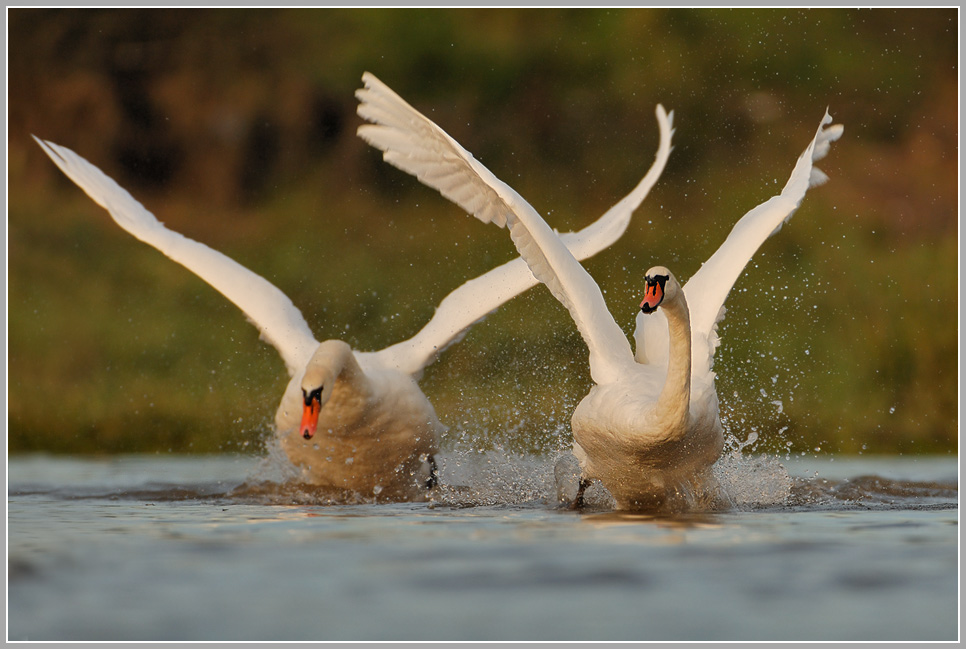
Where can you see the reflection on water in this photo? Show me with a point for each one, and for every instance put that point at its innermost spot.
(670, 521)
(171, 548)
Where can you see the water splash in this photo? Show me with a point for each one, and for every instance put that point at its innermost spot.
(473, 475)
(479, 467)
(753, 480)
(493, 477)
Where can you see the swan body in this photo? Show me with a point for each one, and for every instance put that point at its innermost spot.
(375, 434)
(667, 417)
(649, 428)
(351, 420)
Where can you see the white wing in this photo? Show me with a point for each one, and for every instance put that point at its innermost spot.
(478, 297)
(279, 322)
(708, 288)
(413, 143)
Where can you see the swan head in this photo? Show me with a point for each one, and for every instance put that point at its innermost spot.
(318, 381)
(312, 399)
(659, 285)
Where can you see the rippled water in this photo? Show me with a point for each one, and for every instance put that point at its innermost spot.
(215, 548)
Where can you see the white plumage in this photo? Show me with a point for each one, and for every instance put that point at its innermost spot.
(376, 430)
(649, 429)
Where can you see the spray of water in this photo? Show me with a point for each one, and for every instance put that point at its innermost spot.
(504, 451)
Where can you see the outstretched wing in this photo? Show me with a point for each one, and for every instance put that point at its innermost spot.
(413, 143)
(708, 288)
(279, 322)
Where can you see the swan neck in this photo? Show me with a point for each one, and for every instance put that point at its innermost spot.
(675, 399)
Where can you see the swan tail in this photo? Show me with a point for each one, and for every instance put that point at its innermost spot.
(276, 318)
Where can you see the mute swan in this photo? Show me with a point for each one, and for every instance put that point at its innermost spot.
(649, 428)
(377, 431)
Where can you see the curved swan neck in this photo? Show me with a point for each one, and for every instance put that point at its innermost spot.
(675, 399)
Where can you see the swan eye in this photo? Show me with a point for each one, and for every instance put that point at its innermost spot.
(314, 395)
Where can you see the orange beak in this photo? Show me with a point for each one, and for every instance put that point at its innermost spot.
(653, 295)
(310, 416)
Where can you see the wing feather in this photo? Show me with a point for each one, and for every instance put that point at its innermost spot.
(416, 145)
(278, 320)
(708, 288)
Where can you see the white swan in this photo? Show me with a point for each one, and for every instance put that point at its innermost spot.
(649, 429)
(378, 432)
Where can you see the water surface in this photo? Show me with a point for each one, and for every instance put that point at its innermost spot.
(203, 548)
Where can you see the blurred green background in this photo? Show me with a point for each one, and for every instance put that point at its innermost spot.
(237, 128)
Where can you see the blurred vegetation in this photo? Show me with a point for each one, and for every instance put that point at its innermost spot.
(237, 128)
